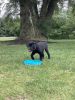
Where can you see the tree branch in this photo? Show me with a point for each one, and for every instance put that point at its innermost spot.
(44, 8)
(51, 7)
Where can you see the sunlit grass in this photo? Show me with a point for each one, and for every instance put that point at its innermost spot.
(7, 38)
(53, 80)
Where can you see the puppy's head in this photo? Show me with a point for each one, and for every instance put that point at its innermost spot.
(31, 46)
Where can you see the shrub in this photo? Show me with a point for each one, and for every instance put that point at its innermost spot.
(10, 27)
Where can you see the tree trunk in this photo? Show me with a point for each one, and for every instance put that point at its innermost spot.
(26, 21)
(29, 20)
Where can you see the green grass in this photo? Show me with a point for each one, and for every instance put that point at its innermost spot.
(53, 80)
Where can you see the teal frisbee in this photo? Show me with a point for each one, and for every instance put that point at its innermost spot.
(32, 62)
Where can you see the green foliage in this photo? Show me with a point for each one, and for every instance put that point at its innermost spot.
(62, 26)
(10, 27)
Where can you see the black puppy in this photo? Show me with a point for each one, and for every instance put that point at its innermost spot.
(38, 47)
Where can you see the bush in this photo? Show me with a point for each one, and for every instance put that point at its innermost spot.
(10, 27)
(60, 27)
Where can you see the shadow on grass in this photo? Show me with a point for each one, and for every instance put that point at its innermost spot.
(18, 41)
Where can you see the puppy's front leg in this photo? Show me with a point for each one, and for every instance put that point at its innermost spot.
(32, 55)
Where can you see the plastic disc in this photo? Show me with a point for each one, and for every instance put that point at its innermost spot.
(32, 62)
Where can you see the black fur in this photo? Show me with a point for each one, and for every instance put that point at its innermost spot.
(38, 47)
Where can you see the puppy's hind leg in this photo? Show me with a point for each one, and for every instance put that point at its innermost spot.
(47, 53)
(41, 56)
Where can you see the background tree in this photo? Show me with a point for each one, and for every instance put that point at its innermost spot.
(30, 18)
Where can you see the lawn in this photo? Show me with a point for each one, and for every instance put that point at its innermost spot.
(53, 80)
